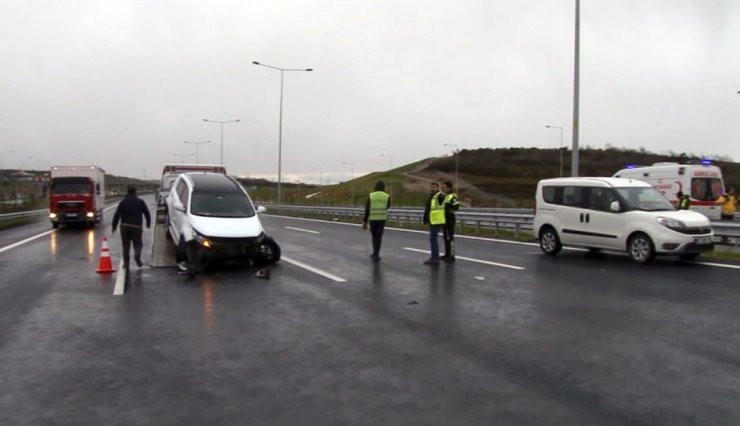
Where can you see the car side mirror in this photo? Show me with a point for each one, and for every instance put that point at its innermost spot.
(614, 206)
(261, 209)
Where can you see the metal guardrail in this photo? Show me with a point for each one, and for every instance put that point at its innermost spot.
(23, 214)
(474, 218)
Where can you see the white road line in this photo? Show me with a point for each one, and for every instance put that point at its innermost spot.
(719, 265)
(14, 245)
(312, 269)
(120, 280)
(470, 259)
(302, 230)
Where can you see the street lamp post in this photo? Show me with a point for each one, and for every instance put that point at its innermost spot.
(222, 134)
(182, 156)
(351, 181)
(196, 148)
(280, 122)
(2, 166)
(561, 146)
(457, 154)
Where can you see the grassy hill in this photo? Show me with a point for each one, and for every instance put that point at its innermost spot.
(503, 177)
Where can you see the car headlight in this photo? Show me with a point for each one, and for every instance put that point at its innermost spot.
(204, 241)
(52, 215)
(671, 223)
(90, 214)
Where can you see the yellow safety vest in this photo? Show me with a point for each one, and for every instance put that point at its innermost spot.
(378, 205)
(436, 211)
(728, 206)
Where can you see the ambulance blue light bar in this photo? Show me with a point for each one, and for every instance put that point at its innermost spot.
(706, 162)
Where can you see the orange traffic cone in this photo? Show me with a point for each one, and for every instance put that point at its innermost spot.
(105, 265)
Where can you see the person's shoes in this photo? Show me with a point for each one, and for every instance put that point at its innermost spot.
(447, 258)
(138, 263)
(431, 262)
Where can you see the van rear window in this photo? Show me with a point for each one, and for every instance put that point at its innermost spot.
(549, 194)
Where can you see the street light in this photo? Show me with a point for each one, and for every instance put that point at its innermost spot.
(2, 167)
(196, 148)
(561, 146)
(457, 154)
(351, 181)
(182, 156)
(280, 122)
(222, 134)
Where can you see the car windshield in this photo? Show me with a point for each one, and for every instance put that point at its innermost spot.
(644, 198)
(219, 204)
(70, 186)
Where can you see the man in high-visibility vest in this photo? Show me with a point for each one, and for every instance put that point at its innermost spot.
(451, 205)
(684, 201)
(728, 203)
(434, 216)
(376, 213)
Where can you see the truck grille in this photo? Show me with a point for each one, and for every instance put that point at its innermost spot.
(71, 205)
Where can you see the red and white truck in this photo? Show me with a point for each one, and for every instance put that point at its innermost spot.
(76, 195)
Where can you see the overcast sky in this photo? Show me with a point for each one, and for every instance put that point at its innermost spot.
(121, 84)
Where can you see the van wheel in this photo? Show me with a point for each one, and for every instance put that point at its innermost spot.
(549, 241)
(55, 225)
(641, 249)
(269, 252)
(688, 256)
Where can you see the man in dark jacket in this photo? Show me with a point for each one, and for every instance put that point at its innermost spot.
(130, 211)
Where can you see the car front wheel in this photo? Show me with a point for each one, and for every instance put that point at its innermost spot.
(641, 249)
(269, 252)
(549, 241)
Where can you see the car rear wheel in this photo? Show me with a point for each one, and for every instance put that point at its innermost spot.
(269, 252)
(549, 241)
(641, 248)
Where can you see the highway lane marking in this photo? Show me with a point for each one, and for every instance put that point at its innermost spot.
(314, 270)
(120, 280)
(302, 230)
(719, 265)
(470, 259)
(14, 245)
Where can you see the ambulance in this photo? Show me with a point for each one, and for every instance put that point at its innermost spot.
(702, 182)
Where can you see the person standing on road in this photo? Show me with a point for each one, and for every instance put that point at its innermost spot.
(434, 216)
(451, 205)
(684, 201)
(376, 213)
(728, 202)
(130, 211)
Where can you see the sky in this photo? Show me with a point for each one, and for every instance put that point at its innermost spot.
(123, 84)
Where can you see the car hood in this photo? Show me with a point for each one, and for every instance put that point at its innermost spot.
(228, 227)
(689, 218)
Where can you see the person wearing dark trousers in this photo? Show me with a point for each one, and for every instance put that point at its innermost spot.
(131, 212)
(451, 205)
(434, 216)
(376, 213)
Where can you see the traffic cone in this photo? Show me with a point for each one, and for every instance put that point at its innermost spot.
(105, 265)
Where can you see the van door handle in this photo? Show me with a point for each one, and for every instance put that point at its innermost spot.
(588, 218)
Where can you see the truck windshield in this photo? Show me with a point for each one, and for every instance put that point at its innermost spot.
(706, 189)
(644, 198)
(70, 186)
(219, 204)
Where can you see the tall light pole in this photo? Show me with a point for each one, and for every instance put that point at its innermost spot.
(196, 148)
(222, 134)
(182, 156)
(351, 181)
(2, 166)
(456, 151)
(280, 123)
(576, 73)
(561, 146)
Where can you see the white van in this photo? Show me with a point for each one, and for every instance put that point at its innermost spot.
(616, 214)
(701, 182)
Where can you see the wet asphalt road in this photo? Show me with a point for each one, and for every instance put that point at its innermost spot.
(524, 339)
